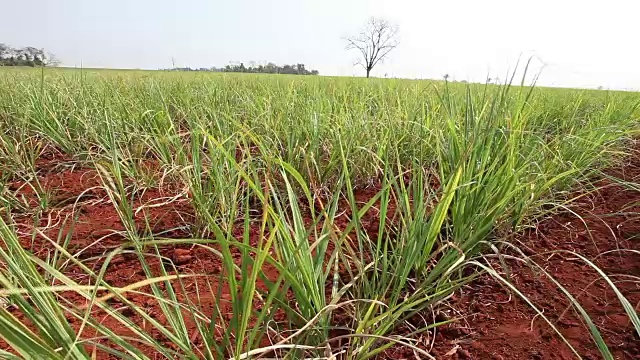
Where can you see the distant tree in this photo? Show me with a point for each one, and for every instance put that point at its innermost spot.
(446, 77)
(51, 60)
(374, 43)
(269, 68)
(27, 56)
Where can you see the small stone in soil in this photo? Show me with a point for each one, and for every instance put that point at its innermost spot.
(535, 355)
(463, 354)
(181, 256)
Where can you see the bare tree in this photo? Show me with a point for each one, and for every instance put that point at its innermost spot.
(374, 42)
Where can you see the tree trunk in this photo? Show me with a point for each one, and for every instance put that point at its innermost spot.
(368, 71)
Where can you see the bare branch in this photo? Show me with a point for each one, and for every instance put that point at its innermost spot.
(374, 43)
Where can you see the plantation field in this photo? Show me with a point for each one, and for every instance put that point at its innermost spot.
(149, 215)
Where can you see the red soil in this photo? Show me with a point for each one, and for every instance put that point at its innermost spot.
(499, 325)
(496, 324)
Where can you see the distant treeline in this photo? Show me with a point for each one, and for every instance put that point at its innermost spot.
(26, 56)
(269, 68)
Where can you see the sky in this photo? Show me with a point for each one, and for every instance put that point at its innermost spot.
(571, 43)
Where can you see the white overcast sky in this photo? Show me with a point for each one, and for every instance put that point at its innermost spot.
(583, 43)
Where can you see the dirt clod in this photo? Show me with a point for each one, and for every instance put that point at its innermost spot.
(182, 256)
(463, 354)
